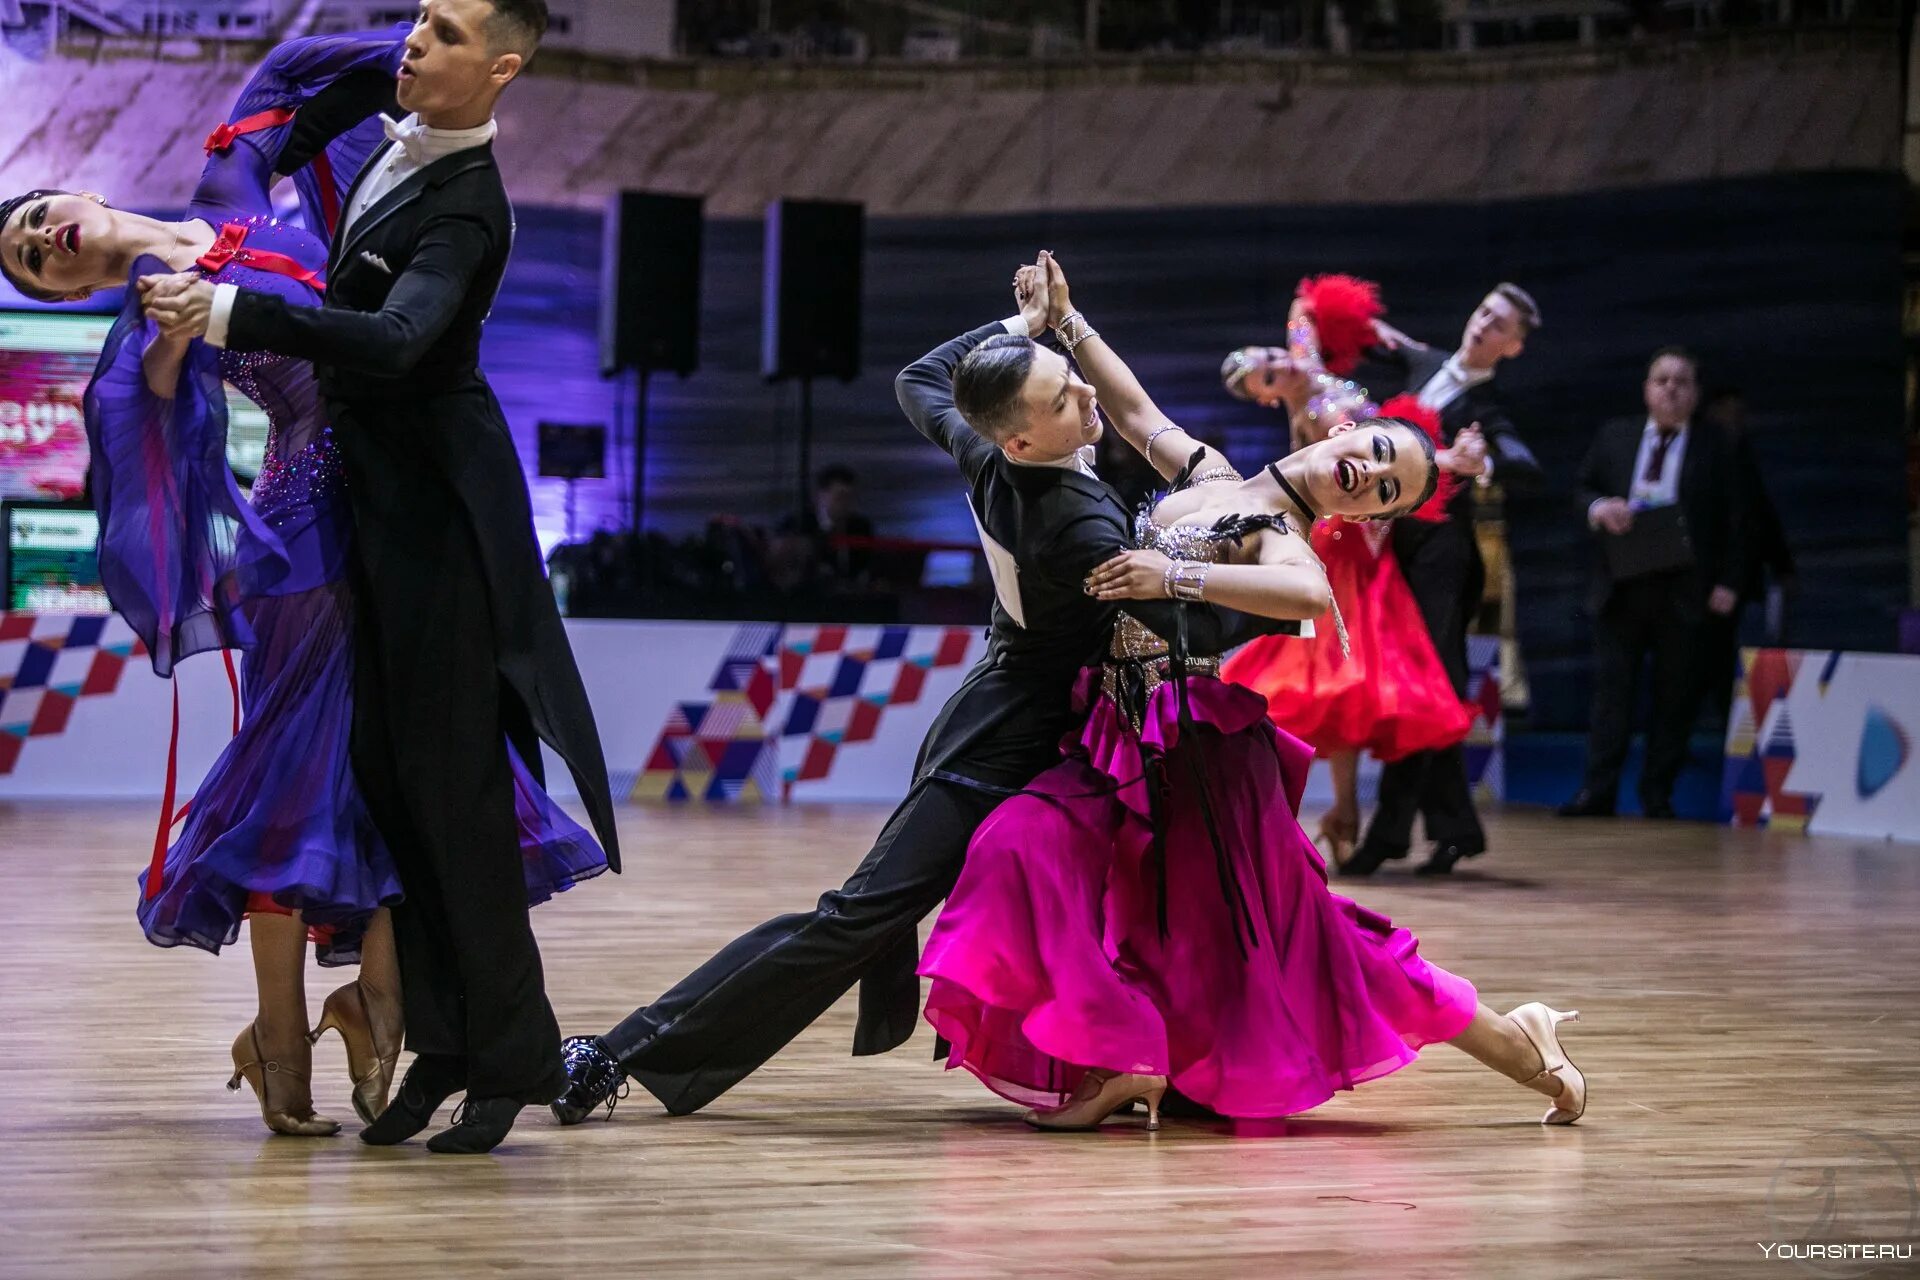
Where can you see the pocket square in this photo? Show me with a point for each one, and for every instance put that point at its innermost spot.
(375, 260)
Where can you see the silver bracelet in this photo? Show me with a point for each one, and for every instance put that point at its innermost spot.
(1155, 434)
(1166, 580)
(1189, 579)
(1073, 330)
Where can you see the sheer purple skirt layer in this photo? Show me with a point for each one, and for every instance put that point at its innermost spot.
(1048, 958)
(280, 823)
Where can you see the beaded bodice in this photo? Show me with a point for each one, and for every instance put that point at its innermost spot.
(301, 464)
(1132, 639)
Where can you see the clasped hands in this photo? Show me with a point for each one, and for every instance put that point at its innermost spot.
(181, 303)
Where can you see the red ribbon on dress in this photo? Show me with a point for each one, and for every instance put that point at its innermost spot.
(221, 139)
(230, 246)
(157, 867)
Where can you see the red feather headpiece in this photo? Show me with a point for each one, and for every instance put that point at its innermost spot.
(1344, 309)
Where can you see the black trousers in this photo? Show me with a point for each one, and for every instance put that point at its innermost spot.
(1447, 576)
(1661, 616)
(726, 1018)
(430, 726)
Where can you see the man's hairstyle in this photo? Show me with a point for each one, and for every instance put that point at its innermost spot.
(517, 26)
(988, 385)
(1426, 446)
(27, 288)
(833, 474)
(1523, 303)
(1678, 352)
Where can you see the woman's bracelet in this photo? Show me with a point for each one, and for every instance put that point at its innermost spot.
(1073, 330)
(1186, 580)
(1155, 434)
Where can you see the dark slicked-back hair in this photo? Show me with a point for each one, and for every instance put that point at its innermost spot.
(517, 25)
(988, 385)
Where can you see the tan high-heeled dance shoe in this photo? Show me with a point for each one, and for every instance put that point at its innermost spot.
(1101, 1093)
(1540, 1024)
(1339, 832)
(286, 1101)
(369, 1062)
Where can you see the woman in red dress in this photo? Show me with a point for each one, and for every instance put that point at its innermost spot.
(1389, 695)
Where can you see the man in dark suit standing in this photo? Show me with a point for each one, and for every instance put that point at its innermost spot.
(1443, 568)
(1663, 497)
(1021, 426)
(460, 650)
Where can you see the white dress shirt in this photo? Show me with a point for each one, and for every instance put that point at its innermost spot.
(1666, 491)
(412, 146)
(1450, 383)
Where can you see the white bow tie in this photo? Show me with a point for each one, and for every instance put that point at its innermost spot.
(410, 134)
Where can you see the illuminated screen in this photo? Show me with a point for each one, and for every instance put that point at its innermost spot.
(46, 359)
(52, 565)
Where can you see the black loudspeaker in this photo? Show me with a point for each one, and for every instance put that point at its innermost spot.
(650, 283)
(810, 297)
(573, 451)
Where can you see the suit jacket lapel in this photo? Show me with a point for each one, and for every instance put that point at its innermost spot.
(1630, 441)
(411, 189)
(359, 180)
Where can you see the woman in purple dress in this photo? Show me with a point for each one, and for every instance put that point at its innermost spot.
(1148, 913)
(278, 832)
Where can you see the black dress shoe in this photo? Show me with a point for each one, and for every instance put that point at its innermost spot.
(1445, 854)
(430, 1081)
(1586, 805)
(1658, 810)
(594, 1080)
(479, 1125)
(1367, 859)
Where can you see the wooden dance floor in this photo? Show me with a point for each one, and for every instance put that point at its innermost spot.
(1744, 996)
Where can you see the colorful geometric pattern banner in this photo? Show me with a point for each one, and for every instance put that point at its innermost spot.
(785, 700)
(1822, 742)
(47, 663)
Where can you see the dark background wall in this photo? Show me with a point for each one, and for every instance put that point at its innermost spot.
(1787, 286)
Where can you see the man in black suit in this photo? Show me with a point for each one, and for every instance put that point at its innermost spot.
(460, 650)
(1021, 426)
(1657, 600)
(1441, 561)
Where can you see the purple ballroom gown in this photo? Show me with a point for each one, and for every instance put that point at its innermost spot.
(279, 823)
(1151, 905)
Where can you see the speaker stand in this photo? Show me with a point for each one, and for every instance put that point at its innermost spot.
(806, 446)
(571, 483)
(639, 456)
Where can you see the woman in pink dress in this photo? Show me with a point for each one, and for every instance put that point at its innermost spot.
(1148, 913)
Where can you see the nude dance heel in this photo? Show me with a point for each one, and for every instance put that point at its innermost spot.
(1339, 833)
(291, 1115)
(370, 1067)
(1539, 1024)
(1100, 1095)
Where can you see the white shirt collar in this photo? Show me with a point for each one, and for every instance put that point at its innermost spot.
(1460, 373)
(434, 144)
(1653, 428)
(1080, 460)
